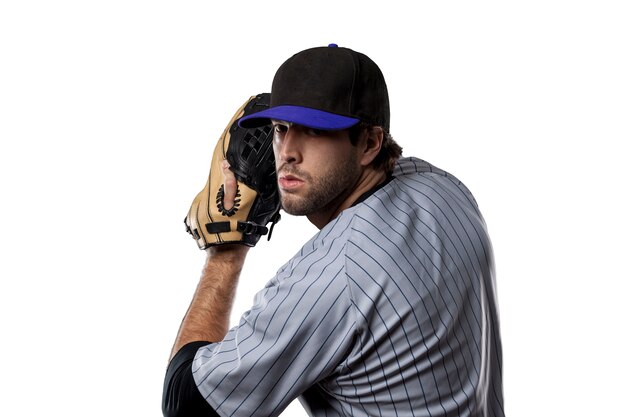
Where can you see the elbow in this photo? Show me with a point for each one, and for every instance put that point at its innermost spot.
(181, 397)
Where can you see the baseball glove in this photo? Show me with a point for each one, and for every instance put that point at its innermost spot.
(251, 158)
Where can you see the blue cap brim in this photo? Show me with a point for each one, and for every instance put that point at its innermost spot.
(315, 119)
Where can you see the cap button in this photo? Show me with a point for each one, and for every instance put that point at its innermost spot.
(332, 45)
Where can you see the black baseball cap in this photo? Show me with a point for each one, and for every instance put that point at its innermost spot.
(328, 88)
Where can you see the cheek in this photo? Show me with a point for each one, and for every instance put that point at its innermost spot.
(276, 151)
(334, 155)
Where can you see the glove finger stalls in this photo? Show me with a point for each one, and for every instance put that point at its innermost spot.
(196, 220)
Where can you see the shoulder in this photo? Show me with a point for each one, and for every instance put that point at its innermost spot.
(429, 185)
(422, 209)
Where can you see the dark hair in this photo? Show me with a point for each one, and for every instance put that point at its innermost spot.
(389, 153)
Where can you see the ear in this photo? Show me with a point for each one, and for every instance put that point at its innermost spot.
(372, 143)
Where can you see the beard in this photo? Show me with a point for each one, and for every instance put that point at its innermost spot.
(327, 188)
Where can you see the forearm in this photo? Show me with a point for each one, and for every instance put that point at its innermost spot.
(208, 315)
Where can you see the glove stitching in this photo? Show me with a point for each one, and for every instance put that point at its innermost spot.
(219, 200)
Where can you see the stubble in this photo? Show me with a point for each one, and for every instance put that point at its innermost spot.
(328, 188)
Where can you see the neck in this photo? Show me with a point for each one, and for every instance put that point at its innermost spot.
(369, 179)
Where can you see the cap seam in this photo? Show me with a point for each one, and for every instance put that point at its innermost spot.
(355, 68)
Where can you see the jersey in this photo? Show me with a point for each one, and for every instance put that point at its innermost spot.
(389, 310)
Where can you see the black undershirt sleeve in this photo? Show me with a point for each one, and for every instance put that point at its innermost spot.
(181, 397)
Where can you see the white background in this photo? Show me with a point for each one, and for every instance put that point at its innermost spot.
(109, 112)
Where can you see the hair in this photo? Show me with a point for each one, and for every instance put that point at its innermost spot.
(389, 153)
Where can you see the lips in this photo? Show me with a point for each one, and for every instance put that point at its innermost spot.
(289, 182)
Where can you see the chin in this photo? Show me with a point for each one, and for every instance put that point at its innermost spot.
(293, 206)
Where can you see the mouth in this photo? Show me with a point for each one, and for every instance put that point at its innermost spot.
(289, 182)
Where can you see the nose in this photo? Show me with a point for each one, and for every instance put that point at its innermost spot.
(287, 147)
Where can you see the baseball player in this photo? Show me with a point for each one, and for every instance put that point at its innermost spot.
(389, 310)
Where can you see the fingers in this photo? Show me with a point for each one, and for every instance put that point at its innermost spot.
(230, 185)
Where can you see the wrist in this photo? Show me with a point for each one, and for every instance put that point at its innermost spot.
(234, 250)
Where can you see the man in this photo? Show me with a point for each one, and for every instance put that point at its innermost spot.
(390, 310)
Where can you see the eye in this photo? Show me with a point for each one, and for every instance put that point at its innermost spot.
(280, 128)
(316, 132)
(280, 131)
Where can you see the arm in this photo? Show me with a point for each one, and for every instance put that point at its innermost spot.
(207, 319)
(226, 218)
(208, 315)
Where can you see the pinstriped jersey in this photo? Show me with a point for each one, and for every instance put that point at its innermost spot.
(389, 310)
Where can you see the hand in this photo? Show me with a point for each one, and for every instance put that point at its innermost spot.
(240, 197)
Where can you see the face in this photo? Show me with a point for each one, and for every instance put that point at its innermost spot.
(316, 169)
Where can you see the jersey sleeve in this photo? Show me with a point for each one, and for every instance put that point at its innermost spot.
(298, 332)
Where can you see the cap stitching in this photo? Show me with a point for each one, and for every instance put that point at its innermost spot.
(356, 68)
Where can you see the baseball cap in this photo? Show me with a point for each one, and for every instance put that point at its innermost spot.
(328, 88)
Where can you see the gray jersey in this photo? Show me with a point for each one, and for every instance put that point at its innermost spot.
(390, 310)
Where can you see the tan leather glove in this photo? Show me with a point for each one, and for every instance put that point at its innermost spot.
(251, 158)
